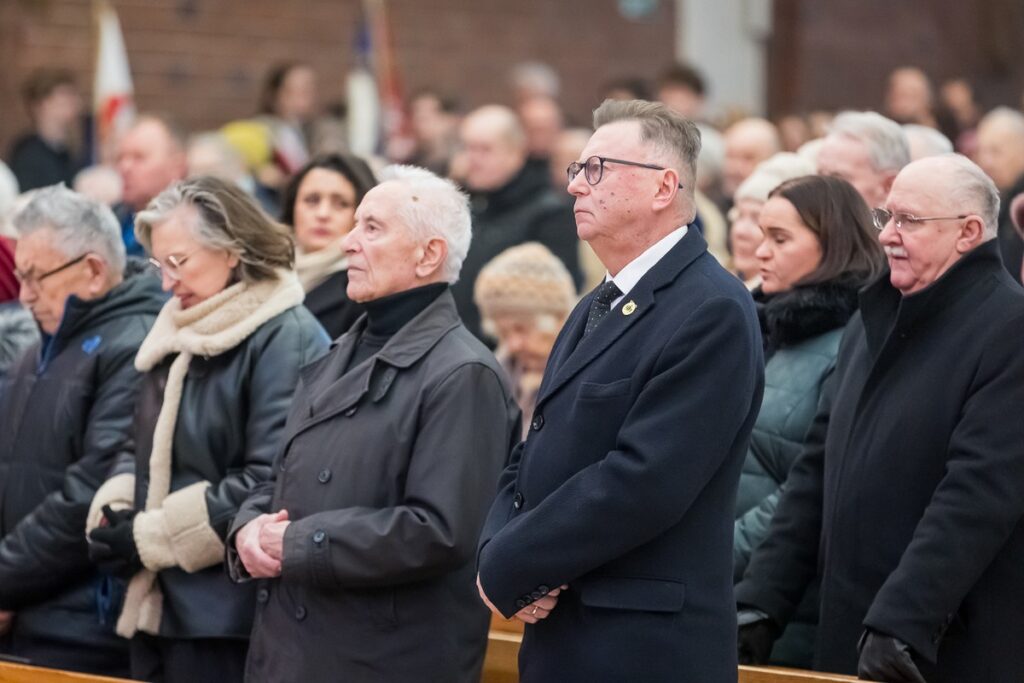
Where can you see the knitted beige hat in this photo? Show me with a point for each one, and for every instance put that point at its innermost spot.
(524, 279)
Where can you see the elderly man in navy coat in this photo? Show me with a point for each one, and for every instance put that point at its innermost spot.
(611, 536)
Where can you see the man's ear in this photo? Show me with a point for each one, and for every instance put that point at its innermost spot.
(668, 190)
(971, 234)
(99, 275)
(431, 261)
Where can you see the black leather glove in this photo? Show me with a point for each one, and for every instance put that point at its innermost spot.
(112, 547)
(884, 658)
(755, 641)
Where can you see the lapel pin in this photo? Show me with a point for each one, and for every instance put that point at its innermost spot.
(629, 308)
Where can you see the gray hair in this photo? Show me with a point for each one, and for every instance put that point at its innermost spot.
(972, 191)
(1006, 116)
(79, 225)
(925, 141)
(671, 132)
(537, 77)
(771, 173)
(885, 140)
(439, 209)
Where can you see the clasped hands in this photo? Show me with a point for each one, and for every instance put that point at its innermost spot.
(531, 614)
(260, 544)
(112, 544)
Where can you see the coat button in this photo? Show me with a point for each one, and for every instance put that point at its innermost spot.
(536, 595)
(520, 603)
(543, 589)
(262, 595)
(351, 411)
(324, 476)
(517, 500)
(300, 612)
(538, 422)
(319, 536)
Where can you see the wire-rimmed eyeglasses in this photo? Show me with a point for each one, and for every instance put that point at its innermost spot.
(172, 267)
(905, 221)
(593, 168)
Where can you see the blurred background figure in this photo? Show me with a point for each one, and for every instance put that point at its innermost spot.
(8, 200)
(150, 157)
(909, 97)
(682, 89)
(51, 153)
(542, 122)
(925, 141)
(748, 142)
(220, 365)
(511, 203)
(18, 330)
(818, 248)
(524, 295)
(100, 183)
(1001, 156)
(213, 154)
(320, 203)
(434, 120)
(1017, 216)
(866, 150)
(745, 234)
(957, 96)
(288, 107)
(534, 79)
(626, 88)
(794, 131)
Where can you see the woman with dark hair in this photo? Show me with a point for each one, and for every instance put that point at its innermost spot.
(288, 108)
(220, 366)
(819, 248)
(319, 204)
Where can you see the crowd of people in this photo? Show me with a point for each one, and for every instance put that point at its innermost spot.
(676, 393)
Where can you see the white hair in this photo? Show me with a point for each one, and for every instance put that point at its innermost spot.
(1006, 116)
(771, 173)
(972, 191)
(925, 141)
(79, 225)
(536, 77)
(438, 209)
(885, 140)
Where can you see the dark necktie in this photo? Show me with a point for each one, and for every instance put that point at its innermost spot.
(601, 304)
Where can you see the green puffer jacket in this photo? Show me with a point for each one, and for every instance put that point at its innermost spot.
(802, 329)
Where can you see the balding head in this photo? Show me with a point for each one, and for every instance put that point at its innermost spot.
(1001, 146)
(495, 147)
(747, 143)
(961, 204)
(150, 156)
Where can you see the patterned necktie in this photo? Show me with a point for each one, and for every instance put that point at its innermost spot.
(601, 304)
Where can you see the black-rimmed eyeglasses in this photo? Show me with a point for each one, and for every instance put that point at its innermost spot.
(593, 168)
(906, 221)
(32, 281)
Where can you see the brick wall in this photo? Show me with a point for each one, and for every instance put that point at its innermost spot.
(203, 60)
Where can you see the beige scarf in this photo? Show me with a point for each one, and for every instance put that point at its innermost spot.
(316, 266)
(174, 530)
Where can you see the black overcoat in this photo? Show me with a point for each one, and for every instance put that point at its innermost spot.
(917, 493)
(626, 484)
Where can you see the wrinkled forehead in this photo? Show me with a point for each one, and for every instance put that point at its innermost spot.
(382, 202)
(921, 190)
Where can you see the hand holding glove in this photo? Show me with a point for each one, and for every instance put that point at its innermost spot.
(112, 546)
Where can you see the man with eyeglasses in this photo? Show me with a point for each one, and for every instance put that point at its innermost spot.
(611, 536)
(912, 477)
(65, 413)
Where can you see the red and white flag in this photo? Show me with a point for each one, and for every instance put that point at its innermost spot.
(113, 94)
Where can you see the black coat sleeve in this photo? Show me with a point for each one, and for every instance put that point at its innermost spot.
(47, 549)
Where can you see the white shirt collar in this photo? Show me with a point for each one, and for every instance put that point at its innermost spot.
(627, 278)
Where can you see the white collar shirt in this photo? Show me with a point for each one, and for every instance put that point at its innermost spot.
(633, 271)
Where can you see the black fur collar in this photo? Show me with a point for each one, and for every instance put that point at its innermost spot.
(804, 312)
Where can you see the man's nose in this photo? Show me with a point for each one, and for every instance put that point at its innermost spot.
(578, 185)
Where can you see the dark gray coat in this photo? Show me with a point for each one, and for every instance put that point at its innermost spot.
(66, 412)
(910, 497)
(387, 472)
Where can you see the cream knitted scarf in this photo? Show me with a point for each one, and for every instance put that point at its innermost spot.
(183, 536)
(316, 266)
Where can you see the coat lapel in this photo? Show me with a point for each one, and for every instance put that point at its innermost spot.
(641, 300)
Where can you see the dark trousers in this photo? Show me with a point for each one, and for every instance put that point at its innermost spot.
(174, 660)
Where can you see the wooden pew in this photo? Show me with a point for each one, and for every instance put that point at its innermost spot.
(500, 664)
(22, 673)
